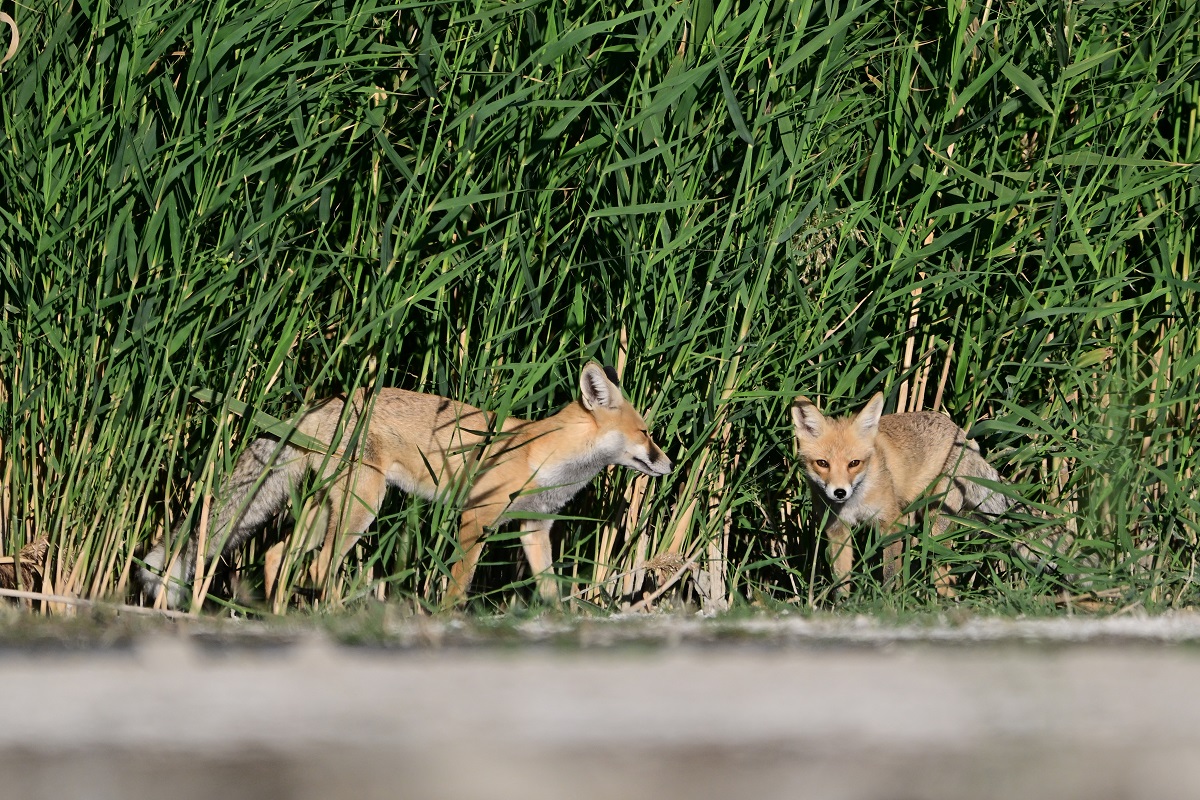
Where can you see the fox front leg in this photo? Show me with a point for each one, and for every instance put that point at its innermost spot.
(840, 551)
(535, 539)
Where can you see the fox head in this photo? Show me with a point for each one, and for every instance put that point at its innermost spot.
(621, 433)
(836, 452)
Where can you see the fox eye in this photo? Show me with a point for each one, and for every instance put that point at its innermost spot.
(822, 463)
(854, 463)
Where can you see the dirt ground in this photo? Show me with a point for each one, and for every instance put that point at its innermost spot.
(764, 708)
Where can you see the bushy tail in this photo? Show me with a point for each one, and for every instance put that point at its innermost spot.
(263, 479)
(977, 498)
(1041, 552)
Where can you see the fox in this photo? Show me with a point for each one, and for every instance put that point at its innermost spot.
(869, 467)
(426, 445)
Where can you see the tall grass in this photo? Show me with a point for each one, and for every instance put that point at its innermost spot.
(214, 213)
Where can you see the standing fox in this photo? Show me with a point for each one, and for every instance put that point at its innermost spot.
(870, 467)
(427, 445)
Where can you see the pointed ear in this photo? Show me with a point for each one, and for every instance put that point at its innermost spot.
(868, 419)
(597, 390)
(806, 418)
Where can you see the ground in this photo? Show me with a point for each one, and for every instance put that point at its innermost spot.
(788, 707)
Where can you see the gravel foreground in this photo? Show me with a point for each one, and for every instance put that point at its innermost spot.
(661, 707)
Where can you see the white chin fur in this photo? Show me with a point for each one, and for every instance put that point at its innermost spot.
(651, 468)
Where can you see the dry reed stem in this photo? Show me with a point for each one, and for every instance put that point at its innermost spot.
(683, 522)
(923, 371)
(6, 477)
(909, 344)
(604, 555)
(16, 37)
(5, 487)
(848, 317)
(635, 495)
(722, 548)
(937, 398)
(60, 599)
(714, 560)
(200, 588)
(71, 584)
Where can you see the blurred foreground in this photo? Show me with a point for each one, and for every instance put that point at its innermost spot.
(794, 708)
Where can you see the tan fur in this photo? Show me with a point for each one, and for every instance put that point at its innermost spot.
(434, 447)
(869, 467)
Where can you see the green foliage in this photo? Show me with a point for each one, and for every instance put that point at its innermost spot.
(215, 209)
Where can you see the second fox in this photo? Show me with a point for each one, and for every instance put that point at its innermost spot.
(869, 467)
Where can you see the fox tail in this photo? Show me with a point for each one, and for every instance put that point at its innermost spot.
(262, 481)
(976, 497)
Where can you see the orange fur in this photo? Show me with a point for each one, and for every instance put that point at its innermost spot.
(430, 446)
(869, 467)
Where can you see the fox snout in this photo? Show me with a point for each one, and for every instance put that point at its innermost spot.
(661, 464)
(655, 463)
(837, 491)
(838, 485)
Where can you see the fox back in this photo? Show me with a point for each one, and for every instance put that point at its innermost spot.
(434, 447)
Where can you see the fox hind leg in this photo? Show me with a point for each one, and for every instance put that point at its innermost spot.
(260, 484)
(281, 559)
(333, 521)
(953, 499)
(356, 507)
(470, 541)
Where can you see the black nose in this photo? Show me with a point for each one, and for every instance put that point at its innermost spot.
(840, 494)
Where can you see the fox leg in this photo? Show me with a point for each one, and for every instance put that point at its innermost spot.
(893, 561)
(334, 523)
(535, 539)
(893, 551)
(840, 551)
(470, 541)
(953, 499)
(272, 566)
(356, 504)
(943, 581)
(281, 558)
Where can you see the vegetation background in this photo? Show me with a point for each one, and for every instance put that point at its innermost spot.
(213, 212)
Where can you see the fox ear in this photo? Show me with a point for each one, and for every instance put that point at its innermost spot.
(807, 418)
(868, 419)
(598, 391)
